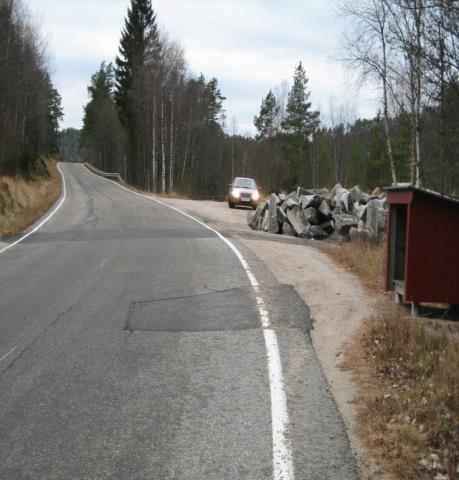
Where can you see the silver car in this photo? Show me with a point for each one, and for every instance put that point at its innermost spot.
(243, 191)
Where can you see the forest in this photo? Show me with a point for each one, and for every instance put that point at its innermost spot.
(166, 130)
(30, 106)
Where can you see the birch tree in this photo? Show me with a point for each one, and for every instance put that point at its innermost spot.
(366, 50)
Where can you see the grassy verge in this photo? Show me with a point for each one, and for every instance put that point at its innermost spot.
(364, 260)
(23, 202)
(407, 375)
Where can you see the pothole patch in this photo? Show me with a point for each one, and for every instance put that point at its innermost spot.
(217, 311)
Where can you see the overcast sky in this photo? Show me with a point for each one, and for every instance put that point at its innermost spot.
(249, 45)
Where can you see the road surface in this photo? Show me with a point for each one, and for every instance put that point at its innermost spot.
(131, 347)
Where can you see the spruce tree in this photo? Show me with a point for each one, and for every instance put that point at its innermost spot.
(299, 123)
(139, 33)
(265, 122)
(299, 119)
(102, 137)
(214, 101)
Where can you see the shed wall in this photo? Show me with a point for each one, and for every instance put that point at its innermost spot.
(432, 257)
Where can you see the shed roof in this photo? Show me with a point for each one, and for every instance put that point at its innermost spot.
(404, 187)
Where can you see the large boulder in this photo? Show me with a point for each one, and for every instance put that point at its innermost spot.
(298, 221)
(344, 222)
(376, 216)
(308, 201)
(356, 194)
(324, 211)
(273, 226)
(311, 215)
(290, 201)
(254, 217)
(316, 232)
(287, 229)
(261, 218)
(328, 227)
(342, 198)
(281, 216)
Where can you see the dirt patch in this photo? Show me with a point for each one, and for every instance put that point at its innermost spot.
(23, 202)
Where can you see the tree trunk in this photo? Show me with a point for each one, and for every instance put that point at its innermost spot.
(163, 148)
(154, 161)
(171, 149)
(418, 59)
(386, 111)
(187, 148)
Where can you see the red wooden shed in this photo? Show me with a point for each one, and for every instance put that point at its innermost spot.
(422, 261)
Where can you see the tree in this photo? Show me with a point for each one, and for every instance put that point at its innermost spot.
(139, 30)
(30, 108)
(299, 119)
(55, 115)
(102, 137)
(265, 123)
(366, 50)
(214, 102)
(299, 124)
(138, 37)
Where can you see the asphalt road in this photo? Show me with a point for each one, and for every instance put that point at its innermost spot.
(131, 347)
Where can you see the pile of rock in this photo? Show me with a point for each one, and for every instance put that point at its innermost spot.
(319, 214)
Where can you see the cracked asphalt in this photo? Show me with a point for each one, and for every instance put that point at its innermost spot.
(134, 350)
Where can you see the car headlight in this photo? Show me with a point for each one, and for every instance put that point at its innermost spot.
(235, 193)
(255, 196)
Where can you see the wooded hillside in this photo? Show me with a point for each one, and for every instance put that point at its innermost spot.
(30, 106)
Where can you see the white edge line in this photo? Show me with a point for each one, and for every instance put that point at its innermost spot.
(282, 455)
(9, 353)
(48, 217)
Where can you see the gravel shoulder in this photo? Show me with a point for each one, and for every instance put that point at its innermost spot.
(337, 302)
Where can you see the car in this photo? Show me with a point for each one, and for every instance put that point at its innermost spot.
(243, 191)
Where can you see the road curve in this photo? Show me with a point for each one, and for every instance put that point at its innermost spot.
(131, 348)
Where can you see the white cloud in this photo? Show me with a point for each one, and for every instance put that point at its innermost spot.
(249, 45)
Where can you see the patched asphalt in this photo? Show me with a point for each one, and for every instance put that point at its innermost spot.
(139, 354)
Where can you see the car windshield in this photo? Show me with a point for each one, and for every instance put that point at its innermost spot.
(244, 183)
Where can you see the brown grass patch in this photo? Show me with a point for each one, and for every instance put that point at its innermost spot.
(23, 202)
(174, 195)
(407, 373)
(364, 260)
(408, 403)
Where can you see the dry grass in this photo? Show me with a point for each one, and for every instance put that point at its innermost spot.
(174, 195)
(22, 202)
(407, 374)
(364, 260)
(408, 404)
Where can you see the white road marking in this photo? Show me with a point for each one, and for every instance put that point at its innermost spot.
(48, 217)
(282, 455)
(9, 353)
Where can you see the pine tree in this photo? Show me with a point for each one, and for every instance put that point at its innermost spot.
(299, 119)
(139, 33)
(265, 122)
(214, 102)
(55, 115)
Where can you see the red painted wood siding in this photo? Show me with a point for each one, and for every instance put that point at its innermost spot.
(432, 255)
